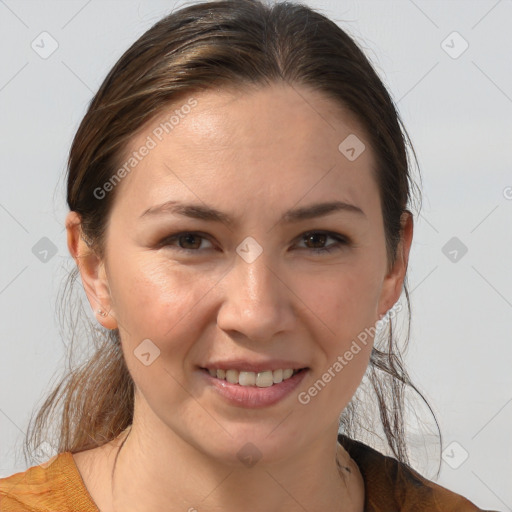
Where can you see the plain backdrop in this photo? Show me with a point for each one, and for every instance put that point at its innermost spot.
(447, 65)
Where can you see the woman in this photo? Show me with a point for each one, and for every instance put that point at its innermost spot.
(238, 193)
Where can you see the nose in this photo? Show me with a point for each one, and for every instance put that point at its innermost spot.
(257, 301)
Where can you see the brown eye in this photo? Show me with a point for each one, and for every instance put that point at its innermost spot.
(186, 242)
(189, 241)
(315, 240)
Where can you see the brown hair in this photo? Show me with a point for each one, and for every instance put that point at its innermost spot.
(242, 43)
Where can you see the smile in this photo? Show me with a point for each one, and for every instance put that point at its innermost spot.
(262, 379)
(253, 390)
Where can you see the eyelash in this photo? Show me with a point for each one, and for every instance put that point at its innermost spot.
(340, 241)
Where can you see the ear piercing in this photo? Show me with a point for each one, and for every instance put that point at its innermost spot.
(101, 312)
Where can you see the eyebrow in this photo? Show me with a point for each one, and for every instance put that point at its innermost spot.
(202, 212)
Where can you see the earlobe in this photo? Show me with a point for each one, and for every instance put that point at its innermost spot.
(393, 282)
(92, 272)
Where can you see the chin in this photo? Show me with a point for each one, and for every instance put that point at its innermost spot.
(248, 446)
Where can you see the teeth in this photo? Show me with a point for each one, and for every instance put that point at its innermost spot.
(264, 379)
(287, 374)
(278, 376)
(247, 379)
(232, 376)
(260, 379)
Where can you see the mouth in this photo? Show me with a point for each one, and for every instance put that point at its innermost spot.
(251, 389)
(261, 379)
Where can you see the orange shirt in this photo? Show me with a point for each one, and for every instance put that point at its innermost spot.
(57, 486)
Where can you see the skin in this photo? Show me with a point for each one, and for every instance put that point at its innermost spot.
(252, 154)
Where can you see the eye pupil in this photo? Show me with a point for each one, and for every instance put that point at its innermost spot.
(321, 236)
(188, 237)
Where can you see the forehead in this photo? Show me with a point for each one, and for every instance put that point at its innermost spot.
(245, 145)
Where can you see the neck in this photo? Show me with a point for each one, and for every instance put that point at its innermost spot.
(165, 473)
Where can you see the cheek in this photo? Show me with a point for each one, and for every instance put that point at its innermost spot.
(344, 298)
(346, 303)
(160, 300)
(344, 349)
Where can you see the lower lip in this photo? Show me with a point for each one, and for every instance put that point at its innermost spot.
(253, 397)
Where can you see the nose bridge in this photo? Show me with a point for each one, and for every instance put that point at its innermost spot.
(255, 301)
(254, 278)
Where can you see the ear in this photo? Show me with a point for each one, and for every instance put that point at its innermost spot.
(92, 272)
(393, 282)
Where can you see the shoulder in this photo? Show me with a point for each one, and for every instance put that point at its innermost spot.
(391, 485)
(53, 485)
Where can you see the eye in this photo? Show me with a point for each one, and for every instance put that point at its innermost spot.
(189, 241)
(186, 241)
(319, 238)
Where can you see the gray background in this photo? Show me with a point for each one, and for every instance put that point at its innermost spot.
(458, 111)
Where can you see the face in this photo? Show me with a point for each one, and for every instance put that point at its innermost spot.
(239, 271)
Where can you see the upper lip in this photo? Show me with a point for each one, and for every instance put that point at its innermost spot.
(253, 366)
